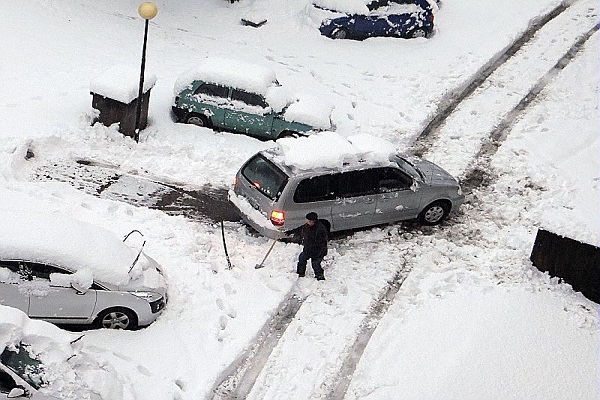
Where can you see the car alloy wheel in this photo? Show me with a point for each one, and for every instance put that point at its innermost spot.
(117, 319)
(339, 33)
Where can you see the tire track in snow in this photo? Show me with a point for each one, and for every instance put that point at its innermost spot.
(474, 175)
(336, 388)
(462, 141)
(456, 97)
(238, 379)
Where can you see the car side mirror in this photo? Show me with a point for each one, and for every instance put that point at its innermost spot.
(80, 289)
(16, 393)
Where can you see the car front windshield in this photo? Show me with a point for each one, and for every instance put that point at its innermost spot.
(410, 169)
(23, 364)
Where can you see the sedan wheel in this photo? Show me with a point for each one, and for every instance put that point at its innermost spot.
(417, 33)
(434, 213)
(117, 319)
(339, 33)
(196, 120)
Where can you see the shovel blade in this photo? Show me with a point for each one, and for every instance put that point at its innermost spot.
(259, 266)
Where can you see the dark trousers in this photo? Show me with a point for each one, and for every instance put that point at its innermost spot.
(315, 262)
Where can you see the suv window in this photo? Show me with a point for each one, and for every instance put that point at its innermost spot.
(357, 183)
(265, 176)
(211, 89)
(318, 188)
(391, 180)
(251, 99)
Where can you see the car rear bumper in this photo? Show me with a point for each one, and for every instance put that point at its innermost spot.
(253, 217)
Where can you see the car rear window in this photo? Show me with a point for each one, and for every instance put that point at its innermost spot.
(265, 176)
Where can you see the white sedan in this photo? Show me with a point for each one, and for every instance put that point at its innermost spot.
(66, 271)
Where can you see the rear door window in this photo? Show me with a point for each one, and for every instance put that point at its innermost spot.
(265, 176)
(251, 99)
(210, 89)
(357, 183)
(318, 188)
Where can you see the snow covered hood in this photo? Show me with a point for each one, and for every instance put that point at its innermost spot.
(56, 239)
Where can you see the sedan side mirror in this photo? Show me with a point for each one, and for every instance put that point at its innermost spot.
(80, 289)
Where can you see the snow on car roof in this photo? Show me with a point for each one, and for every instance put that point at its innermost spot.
(229, 72)
(121, 83)
(346, 6)
(331, 150)
(56, 239)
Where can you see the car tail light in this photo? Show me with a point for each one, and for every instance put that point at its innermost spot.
(235, 183)
(277, 217)
(431, 18)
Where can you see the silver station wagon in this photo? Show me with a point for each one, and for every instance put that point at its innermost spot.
(69, 272)
(273, 197)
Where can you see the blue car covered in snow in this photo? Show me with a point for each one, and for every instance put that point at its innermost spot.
(392, 18)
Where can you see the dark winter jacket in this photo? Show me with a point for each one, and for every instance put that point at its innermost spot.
(314, 239)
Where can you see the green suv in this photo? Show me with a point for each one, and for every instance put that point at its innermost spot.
(243, 98)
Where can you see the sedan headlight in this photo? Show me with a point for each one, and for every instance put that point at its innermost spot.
(148, 296)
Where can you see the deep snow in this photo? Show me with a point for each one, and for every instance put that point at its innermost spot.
(473, 319)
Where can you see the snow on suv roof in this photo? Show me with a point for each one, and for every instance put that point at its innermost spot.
(59, 240)
(331, 150)
(229, 72)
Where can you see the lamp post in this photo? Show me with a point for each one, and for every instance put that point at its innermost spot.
(147, 11)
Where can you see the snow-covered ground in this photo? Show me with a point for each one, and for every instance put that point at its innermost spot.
(473, 319)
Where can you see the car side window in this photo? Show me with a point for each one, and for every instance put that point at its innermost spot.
(357, 183)
(43, 271)
(211, 89)
(391, 180)
(318, 188)
(251, 99)
(19, 267)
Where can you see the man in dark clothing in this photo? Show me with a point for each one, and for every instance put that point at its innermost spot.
(314, 239)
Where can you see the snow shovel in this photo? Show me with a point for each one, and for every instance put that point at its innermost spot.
(261, 265)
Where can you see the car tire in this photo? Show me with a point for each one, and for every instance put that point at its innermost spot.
(418, 33)
(117, 318)
(198, 120)
(434, 213)
(339, 33)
